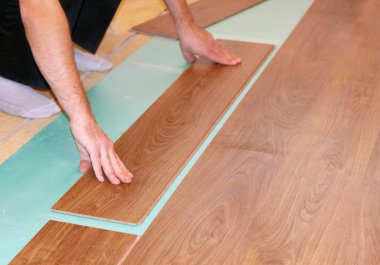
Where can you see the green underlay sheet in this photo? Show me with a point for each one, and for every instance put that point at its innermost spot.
(33, 179)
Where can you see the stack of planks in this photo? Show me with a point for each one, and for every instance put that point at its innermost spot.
(292, 178)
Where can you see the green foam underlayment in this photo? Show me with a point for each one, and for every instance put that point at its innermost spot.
(33, 179)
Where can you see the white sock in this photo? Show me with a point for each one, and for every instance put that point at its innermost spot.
(20, 100)
(89, 62)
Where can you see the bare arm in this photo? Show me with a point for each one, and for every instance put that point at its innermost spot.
(180, 12)
(48, 33)
(194, 40)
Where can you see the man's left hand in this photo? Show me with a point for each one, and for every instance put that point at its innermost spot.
(196, 41)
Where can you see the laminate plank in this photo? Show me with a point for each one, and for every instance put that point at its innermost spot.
(370, 208)
(159, 144)
(62, 243)
(205, 13)
(293, 176)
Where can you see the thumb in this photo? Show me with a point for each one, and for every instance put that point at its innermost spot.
(190, 57)
(85, 160)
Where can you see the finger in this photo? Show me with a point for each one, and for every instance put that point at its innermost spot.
(120, 170)
(85, 161)
(95, 161)
(107, 167)
(223, 57)
(220, 55)
(130, 174)
(84, 165)
(231, 57)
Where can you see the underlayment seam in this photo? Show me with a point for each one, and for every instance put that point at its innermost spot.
(15, 130)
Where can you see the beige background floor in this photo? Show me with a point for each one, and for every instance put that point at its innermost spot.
(117, 45)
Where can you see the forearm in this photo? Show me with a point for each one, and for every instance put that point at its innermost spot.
(49, 37)
(181, 14)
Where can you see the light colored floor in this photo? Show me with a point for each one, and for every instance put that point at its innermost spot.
(117, 45)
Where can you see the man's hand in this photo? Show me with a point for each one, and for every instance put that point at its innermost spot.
(196, 41)
(97, 149)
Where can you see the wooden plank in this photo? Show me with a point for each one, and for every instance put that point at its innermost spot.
(163, 139)
(205, 13)
(370, 208)
(284, 181)
(61, 243)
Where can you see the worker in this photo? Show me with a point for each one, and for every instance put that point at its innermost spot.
(36, 50)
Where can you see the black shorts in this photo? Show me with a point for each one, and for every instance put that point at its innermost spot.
(88, 20)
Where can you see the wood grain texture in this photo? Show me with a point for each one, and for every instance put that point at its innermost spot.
(162, 140)
(293, 176)
(205, 13)
(370, 208)
(62, 243)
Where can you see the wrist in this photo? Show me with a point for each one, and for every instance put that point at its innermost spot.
(83, 118)
(79, 111)
(185, 27)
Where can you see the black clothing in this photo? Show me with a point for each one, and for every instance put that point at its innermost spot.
(88, 20)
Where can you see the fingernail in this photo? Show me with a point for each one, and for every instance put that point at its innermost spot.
(126, 180)
(101, 179)
(116, 182)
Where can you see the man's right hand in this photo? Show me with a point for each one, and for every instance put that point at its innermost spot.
(48, 34)
(97, 150)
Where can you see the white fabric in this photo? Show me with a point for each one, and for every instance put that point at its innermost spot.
(88, 62)
(24, 101)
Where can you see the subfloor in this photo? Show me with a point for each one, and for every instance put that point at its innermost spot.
(150, 65)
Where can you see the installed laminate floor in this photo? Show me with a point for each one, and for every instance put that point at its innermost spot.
(163, 139)
(205, 12)
(61, 243)
(293, 177)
